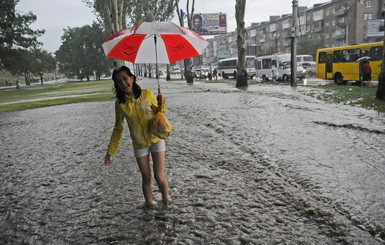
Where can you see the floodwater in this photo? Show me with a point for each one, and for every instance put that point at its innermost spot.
(266, 165)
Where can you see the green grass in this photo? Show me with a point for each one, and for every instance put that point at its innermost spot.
(45, 95)
(349, 95)
(12, 99)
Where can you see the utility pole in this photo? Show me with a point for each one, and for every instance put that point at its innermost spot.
(294, 28)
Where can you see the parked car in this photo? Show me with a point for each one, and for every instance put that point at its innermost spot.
(175, 70)
(201, 73)
(300, 71)
(308, 66)
(310, 71)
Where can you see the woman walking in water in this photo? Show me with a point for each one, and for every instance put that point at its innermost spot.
(138, 106)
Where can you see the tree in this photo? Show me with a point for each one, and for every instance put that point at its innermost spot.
(43, 62)
(151, 11)
(113, 14)
(380, 94)
(241, 32)
(189, 16)
(309, 46)
(81, 54)
(16, 37)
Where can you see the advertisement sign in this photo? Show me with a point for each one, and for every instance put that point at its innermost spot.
(375, 28)
(224, 53)
(210, 24)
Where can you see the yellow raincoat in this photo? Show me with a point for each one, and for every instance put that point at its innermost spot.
(138, 114)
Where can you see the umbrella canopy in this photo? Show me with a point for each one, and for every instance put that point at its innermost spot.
(151, 42)
(362, 59)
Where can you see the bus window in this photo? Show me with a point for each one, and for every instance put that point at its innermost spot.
(365, 53)
(322, 57)
(337, 56)
(266, 63)
(259, 65)
(274, 63)
(350, 55)
(354, 54)
(250, 62)
(376, 53)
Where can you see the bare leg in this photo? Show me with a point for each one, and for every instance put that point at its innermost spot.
(145, 169)
(158, 159)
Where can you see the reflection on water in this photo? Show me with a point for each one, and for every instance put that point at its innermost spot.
(266, 165)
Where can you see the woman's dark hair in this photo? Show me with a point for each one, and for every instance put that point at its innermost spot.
(120, 95)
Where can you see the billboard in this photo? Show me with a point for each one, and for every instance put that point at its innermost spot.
(210, 24)
(375, 28)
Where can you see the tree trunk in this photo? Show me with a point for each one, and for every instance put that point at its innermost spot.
(380, 94)
(190, 76)
(115, 11)
(241, 32)
(168, 78)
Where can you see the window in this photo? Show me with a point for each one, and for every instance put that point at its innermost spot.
(368, 16)
(266, 63)
(376, 53)
(322, 57)
(337, 56)
(368, 3)
(350, 55)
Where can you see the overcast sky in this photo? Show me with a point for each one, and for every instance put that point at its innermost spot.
(56, 15)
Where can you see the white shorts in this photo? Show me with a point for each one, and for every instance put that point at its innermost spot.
(157, 147)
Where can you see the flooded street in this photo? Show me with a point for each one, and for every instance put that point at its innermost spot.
(266, 165)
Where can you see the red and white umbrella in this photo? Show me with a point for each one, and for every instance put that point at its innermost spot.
(154, 42)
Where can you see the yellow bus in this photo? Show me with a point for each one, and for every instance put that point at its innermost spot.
(341, 64)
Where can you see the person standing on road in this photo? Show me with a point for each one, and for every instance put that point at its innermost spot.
(366, 72)
(215, 74)
(138, 106)
(274, 73)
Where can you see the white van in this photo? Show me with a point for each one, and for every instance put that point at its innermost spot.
(263, 65)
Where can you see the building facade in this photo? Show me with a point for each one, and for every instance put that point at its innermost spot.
(336, 23)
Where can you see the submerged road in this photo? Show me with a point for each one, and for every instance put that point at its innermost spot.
(268, 165)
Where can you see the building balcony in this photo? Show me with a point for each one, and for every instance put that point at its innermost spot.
(340, 36)
(341, 12)
(318, 29)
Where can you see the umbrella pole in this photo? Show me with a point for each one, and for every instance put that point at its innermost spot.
(156, 65)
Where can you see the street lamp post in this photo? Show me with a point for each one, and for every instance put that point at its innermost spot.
(293, 65)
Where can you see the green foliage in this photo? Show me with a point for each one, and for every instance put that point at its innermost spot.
(15, 29)
(16, 37)
(81, 53)
(309, 46)
(43, 62)
(271, 50)
(151, 11)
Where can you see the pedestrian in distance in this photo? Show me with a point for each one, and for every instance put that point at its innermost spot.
(215, 74)
(210, 75)
(138, 106)
(274, 73)
(366, 72)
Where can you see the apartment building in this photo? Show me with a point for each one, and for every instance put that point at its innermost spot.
(336, 23)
